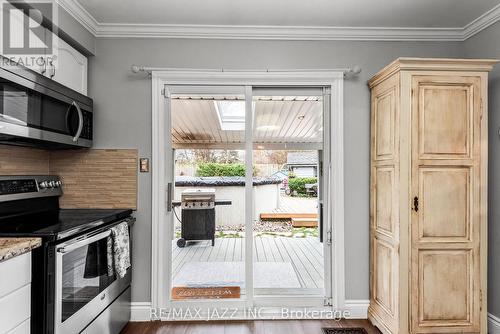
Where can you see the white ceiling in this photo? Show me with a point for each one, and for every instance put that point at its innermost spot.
(345, 13)
(287, 19)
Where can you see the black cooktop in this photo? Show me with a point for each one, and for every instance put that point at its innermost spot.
(58, 224)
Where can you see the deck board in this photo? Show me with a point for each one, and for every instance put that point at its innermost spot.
(316, 246)
(308, 278)
(309, 262)
(309, 252)
(305, 255)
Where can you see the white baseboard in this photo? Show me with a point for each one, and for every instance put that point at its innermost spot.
(358, 309)
(140, 311)
(493, 324)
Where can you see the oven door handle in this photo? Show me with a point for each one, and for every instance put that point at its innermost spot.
(80, 242)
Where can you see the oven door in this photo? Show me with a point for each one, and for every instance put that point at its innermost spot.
(83, 287)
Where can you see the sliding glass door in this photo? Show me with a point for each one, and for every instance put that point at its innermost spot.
(208, 232)
(246, 189)
(288, 148)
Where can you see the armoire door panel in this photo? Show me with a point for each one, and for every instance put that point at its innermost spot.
(383, 290)
(384, 199)
(445, 203)
(445, 287)
(385, 116)
(384, 204)
(445, 220)
(445, 120)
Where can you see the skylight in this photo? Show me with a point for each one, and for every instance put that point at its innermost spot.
(231, 115)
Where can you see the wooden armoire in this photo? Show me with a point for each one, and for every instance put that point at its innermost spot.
(428, 215)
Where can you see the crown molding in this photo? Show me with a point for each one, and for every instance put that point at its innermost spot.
(276, 32)
(126, 30)
(75, 9)
(482, 22)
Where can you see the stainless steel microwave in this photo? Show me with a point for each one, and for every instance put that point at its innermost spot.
(37, 111)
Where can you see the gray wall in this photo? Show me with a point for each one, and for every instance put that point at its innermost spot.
(486, 44)
(83, 40)
(123, 116)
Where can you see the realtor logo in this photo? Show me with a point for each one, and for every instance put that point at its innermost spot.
(26, 37)
(23, 33)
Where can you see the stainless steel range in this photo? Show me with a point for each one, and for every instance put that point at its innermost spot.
(72, 289)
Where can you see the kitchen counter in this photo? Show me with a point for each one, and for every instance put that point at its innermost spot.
(12, 247)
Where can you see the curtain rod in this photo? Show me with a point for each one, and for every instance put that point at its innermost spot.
(348, 71)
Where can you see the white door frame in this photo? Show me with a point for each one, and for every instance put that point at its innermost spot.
(160, 251)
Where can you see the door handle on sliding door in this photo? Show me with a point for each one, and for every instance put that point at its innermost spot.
(169, 196)
(321, 222)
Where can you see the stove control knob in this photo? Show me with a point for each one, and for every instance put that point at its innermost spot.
(43, 185)
(58, 184)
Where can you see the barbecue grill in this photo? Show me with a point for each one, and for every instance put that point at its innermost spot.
(198, 215)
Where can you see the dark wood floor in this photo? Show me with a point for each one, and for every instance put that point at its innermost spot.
(244, 327)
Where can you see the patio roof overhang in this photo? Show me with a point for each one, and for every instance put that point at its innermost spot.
(293, 123)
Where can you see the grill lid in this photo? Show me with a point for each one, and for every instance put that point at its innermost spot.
(198, 194)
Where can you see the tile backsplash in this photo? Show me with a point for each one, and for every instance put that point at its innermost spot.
(94, 178)
(16, 160)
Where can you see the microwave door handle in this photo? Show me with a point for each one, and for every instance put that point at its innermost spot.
(80, 122)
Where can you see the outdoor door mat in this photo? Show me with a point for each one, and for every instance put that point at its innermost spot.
(344, 331)
(206, 292)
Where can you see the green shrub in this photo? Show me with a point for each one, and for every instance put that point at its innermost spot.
(216, 169)
(298, 184)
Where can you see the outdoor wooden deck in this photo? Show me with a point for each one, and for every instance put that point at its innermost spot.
(293, 207)
(304, 254)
